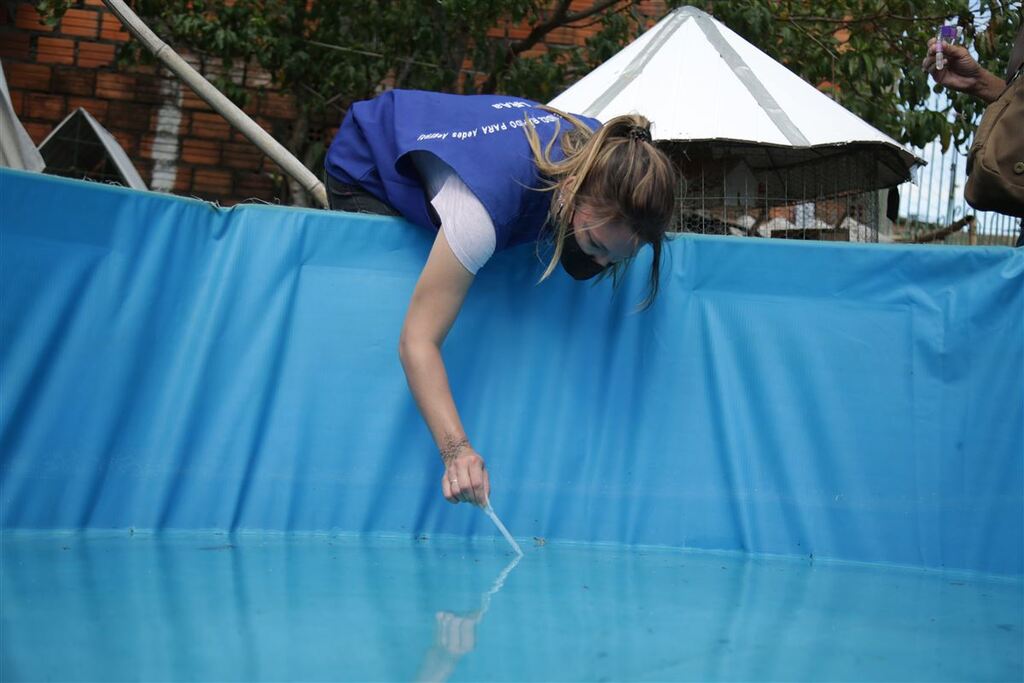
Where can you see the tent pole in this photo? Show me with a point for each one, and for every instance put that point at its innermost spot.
(221, 104)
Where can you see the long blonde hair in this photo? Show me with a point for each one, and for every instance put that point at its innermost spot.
(618, 172)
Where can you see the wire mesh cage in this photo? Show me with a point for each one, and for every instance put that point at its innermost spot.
(829, 193)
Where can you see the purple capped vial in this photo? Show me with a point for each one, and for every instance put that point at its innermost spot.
(947, 34)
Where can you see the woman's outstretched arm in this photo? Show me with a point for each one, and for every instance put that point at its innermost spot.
(436, 301)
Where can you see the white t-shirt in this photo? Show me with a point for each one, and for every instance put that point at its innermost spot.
(466, 223)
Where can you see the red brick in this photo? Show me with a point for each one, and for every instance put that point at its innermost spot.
(183, 179)
(129, 141)
(213, 126)
(147, 69)
(511, 31)
(83, 23)
(277, 105)
(195, 151)
(37, 131)
(146, 145)
(94, 3)
(242, 155)
(113, 86)
(55, 51)
(94, 55)
(564, 36)
(112, 29)
(129, 115)
(17, 99)
(28, 18)
(211, 183)
(15, 45)
(148, 90)
(255, 186)
(189, 100)
(98, 108)
(256, 76)
(144, 167)
(27, 76)
(73, 82)
(45, 107)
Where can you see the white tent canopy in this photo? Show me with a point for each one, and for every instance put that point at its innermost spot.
(697, 80)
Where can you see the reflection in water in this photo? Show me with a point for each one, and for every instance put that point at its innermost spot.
(456, 633)
(89, 607)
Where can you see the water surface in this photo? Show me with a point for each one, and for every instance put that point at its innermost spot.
(177, 607)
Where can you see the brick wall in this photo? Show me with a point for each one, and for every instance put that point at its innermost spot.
(176, 141)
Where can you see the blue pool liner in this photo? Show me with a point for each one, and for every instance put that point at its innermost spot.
(167, 364)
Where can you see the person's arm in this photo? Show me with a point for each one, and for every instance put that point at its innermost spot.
(962, 73)
(436, 301)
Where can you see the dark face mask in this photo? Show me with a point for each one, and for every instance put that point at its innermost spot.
(576, 262)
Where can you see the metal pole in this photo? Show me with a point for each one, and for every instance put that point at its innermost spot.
(221, 104)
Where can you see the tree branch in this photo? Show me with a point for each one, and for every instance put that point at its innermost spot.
(861, 20)
(559, 18)
(941, 233)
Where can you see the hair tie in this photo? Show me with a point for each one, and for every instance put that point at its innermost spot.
(639, 133)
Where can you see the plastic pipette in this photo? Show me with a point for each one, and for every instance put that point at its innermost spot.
(501, 527)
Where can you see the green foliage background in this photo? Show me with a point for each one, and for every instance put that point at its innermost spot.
(330, 53)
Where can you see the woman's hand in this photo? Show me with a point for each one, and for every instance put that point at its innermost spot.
(465, 477)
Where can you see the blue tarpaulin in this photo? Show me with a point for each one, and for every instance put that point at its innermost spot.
(167, 364)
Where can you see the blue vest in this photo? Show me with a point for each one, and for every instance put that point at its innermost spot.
(480, 137)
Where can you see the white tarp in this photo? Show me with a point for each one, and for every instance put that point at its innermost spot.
(16, 147)
(696, 79)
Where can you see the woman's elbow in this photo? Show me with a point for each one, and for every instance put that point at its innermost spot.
(410, 346)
